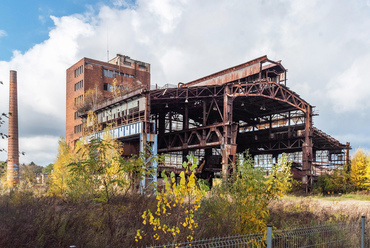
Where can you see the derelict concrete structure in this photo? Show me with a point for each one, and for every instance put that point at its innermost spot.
(13, 146)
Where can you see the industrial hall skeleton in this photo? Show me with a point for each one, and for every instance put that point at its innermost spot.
(245, 107)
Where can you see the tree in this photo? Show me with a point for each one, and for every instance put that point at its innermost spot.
(58, 184)
(3, 135)
(360, 170)
(2, 121)
(29, 172)
(3, 166)
(94, 170)
(98, 172)
(48, 169)
(116, 89)
(92, 125)
(92, 97)
(246, 197)
(177, 204)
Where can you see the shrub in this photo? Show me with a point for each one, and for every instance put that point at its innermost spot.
(243, 202)
(177, 203)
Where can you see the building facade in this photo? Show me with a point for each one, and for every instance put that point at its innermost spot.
(91, 81)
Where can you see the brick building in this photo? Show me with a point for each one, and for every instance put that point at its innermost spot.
(99, 80)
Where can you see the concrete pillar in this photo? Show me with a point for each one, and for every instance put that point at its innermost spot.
(13, 147)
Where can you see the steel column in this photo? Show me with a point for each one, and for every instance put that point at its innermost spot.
(307, 150)
(228, 146)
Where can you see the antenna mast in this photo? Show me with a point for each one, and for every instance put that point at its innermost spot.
(107, 48)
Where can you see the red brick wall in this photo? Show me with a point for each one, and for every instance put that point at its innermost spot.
(70, 99)
(93, 77)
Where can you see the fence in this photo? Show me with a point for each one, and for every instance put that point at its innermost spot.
(333, 235)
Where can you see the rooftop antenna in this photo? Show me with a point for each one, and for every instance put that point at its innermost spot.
(107, 48)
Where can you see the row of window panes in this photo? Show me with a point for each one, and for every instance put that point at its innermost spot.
(79, 85)
(109, 87)
(79, 100)
(79, 71)
(109, 73)
(78, 128)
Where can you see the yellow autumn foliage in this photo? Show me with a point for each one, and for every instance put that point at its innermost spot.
(360, 170)
(58, 184)
(178, 201)
(246, 197)
(94, 170)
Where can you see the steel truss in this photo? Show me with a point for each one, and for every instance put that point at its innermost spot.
(246, 107)
(254, 112)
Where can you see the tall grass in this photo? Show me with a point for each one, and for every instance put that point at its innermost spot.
(293, 212)
(33, 220)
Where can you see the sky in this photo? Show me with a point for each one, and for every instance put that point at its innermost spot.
(325, 45)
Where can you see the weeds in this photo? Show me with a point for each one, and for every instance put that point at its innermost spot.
(293, 212)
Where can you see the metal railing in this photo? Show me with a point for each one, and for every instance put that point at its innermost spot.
(331, 235)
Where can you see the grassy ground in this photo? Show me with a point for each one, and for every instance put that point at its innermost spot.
(35, 221)
(293, 211)
(361, 196)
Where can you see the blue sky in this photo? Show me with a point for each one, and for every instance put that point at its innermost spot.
(27, 23)
(325, 45)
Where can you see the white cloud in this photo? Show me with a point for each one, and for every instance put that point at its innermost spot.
(41, 86)
(350, 90)
(323, 44)
(2, 33)
(40, 149)
(122, 3)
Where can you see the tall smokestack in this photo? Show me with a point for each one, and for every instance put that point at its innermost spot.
(13, 148)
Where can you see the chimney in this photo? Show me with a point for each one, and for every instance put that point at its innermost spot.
(13, 148)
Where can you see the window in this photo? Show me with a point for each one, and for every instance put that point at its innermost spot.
(108, 87)
(76, 115)
(108, 73)
(78, 128)
(79, 71)
(79, 85)
(79, 100)
(127, 75)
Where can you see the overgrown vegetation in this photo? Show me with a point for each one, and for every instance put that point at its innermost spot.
(177, 203)
(241, 206)
(350, 178)
(93, 200)
(94, 171)
(292, 212)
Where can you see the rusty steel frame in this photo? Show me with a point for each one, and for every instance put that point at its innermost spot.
(214, 104)
(243, 107)
(229, 92)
